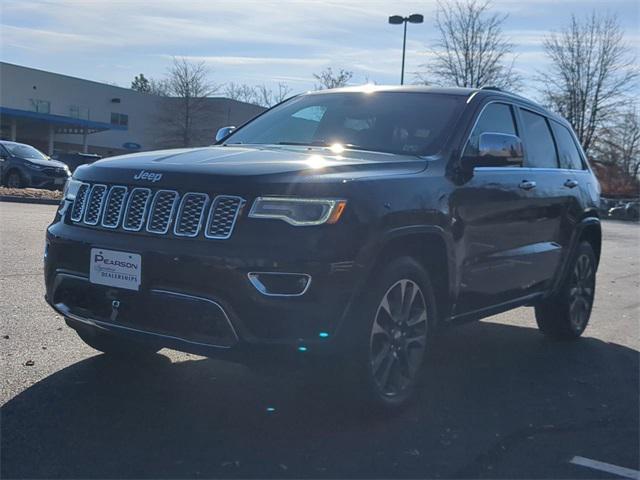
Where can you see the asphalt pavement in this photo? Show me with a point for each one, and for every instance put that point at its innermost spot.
(498, 400)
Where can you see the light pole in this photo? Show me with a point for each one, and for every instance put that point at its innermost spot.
(397, 20)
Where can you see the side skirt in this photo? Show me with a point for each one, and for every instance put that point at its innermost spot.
(526, 301)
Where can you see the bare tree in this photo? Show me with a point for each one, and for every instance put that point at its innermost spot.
(241, 92)
(159, 87)
(258, 95)
(472, 50)
(330, 79)
(619, 144)
(267, 97)
(592, 68)
(182, 111)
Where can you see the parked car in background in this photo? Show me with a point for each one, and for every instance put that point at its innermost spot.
(625, 211)
(74, 160)
(22, 166)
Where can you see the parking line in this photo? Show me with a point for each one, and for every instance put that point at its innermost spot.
(606, 467)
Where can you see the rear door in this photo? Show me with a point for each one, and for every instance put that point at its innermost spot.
(575, 179)
(548, 199)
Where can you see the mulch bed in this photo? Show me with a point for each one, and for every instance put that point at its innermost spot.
(31, 193)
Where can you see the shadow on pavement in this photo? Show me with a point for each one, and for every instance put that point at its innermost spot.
(497, 401)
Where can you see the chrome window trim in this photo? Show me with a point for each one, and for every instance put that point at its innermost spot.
(181, 210)
(515, 124)
(84, 202)
(241, 202)
(259, 286)
(86, 210)
(144, 210)
(171, 214)
(122, 206)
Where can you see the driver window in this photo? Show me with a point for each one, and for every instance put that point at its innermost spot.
(495, 118)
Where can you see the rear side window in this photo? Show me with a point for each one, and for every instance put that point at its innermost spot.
(495, 118)
(569, 155)
(540, 149)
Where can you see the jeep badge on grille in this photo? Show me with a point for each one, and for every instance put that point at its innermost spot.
(144, 175)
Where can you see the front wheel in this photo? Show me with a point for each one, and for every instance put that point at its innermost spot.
(14, 180)
(566, 315)
(392, 333)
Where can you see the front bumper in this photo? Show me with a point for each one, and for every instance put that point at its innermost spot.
(196, 296)
(42, 180)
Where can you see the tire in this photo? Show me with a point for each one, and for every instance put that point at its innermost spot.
(115, 346)
(390, 335)
(14, 179)
(566, 315)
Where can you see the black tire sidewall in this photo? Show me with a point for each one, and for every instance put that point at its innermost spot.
(15, 173)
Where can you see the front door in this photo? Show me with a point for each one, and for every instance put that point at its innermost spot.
(497, 224)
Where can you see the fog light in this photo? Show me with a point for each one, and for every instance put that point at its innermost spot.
(279, 284)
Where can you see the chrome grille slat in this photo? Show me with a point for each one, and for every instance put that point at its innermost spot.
(94, 204)
(136, 212)
(190, 214)
(114, 206)
(161, 211)
(79, 203)
(222, 216)
(156, 211)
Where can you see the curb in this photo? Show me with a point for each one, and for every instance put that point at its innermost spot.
(39, 201)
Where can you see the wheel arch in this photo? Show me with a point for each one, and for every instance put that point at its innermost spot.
(589, 229)
(432, 249)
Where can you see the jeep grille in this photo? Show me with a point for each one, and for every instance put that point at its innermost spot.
(135, 209)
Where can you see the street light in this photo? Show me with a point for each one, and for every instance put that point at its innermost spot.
(397, 20)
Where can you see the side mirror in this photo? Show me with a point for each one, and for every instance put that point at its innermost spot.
(224, 132)
(496, 150)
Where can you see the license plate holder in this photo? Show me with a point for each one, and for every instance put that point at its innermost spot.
(115, 269)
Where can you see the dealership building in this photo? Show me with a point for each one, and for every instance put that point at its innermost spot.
(59, 113)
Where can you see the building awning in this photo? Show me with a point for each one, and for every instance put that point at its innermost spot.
(63, 124)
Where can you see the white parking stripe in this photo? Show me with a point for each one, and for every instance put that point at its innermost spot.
(606, 467)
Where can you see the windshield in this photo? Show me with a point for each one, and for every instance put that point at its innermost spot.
(394, 122)
(24, 151)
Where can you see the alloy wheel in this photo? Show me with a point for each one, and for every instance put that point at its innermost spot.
(398, 338)
(581, 291)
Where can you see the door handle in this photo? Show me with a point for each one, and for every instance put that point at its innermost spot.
(571, 183)
(527, 185)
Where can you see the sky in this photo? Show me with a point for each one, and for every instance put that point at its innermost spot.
(263, 42)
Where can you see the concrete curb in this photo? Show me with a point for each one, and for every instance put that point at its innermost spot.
(39, 201)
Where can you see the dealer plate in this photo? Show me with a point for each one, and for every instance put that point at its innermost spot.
(115, 269)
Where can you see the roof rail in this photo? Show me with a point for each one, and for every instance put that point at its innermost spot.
(489, 87)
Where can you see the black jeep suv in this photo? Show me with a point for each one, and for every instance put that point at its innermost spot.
(346, 225)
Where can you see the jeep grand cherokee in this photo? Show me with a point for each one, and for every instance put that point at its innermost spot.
(347, 225)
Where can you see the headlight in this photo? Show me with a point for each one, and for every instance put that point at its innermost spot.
(298, 211)
(70, 189)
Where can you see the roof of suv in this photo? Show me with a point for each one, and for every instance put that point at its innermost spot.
(459, 91)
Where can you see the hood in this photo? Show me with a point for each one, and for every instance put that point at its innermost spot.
(242, 164)
(46, 163)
